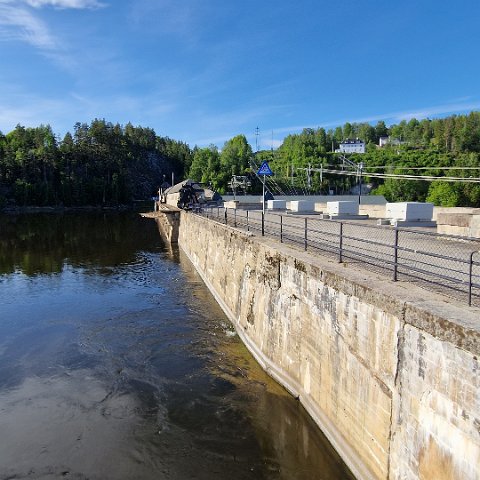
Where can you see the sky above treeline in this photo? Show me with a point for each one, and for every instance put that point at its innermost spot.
(203, 71)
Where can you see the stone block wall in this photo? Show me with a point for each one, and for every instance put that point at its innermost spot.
(373, 211)
(390, 377)
(461, 224)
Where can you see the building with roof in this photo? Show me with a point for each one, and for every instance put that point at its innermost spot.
(384, 141)
(351, 146)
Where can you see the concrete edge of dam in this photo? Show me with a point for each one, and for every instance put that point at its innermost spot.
(387, 370)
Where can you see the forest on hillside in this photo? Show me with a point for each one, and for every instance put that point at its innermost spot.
(446, 147)
(99, 164)
(108, 164)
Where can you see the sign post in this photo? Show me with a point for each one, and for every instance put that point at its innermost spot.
(266, 171)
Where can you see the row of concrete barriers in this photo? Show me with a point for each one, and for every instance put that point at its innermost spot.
(402, 213)
(459, 221)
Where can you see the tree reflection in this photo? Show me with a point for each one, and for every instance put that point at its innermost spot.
(44, 243)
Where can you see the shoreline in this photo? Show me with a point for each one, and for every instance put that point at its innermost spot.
(62, 209)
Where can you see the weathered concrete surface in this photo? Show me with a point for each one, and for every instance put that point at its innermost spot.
(390, 377)
(168, 221)
(462, 224)
(460, 210)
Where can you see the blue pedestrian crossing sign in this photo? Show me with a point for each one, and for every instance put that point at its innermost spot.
(265, 170)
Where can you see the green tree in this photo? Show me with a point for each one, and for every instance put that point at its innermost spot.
(367, 133)
(444, 194)
(395, 190)
(348, 131)
(234, 159)
(399, 131)
(205, 165)
(381, 130)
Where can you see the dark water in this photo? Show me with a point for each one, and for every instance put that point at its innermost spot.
(116, 363)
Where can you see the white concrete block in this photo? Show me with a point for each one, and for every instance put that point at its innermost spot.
(409, 211)
(302, 206)
(342, 208)
(231, 204)
(276, 204)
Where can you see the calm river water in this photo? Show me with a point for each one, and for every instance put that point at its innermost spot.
(116, 363)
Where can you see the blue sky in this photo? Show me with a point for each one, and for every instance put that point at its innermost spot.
(203, 71)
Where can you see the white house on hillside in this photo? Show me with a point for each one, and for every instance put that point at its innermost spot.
(351, 146)
(383, 141)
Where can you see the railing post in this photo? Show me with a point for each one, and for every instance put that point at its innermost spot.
(248, 226)
(395, 256)
(226, 220)
(470, 274)
(340, 246)
(263, 224)
(235, 217)
(281, 228)
(305, 237)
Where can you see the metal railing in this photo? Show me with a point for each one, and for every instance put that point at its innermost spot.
(444, 263)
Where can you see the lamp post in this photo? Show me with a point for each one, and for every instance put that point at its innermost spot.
(360, 168)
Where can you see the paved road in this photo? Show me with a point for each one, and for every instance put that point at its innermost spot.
(439, 262)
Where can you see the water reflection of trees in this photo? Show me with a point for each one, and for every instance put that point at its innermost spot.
(45, 243)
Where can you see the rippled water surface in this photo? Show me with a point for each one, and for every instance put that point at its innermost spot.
(116, 363)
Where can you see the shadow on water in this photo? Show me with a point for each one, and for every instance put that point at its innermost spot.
(116, 363)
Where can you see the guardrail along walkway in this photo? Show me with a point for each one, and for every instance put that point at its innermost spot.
(447, 264)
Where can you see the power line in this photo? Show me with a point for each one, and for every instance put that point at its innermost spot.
(422, 168)
(395, 167)
(254, 167)
(426, 178)
(347, 162)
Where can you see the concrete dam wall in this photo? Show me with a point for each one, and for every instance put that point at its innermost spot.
(389, 372)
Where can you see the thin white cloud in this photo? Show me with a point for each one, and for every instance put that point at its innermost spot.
(221, 126)
(228, 122)
(183, 20)
(32, 113)
(145, 109)
(18, 23)
(393, 117)
(438, 110)
(61, 4)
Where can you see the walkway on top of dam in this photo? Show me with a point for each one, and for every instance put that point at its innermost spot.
(446, 264)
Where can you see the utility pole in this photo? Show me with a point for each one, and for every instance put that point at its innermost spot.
(360, 168)
(309, 171)
(257, 133)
